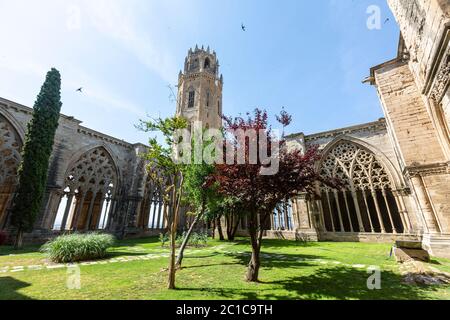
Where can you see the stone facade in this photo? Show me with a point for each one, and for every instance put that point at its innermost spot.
(414, 92)
(200, 89)
(92, 169)
(411, 146)
(396, 170)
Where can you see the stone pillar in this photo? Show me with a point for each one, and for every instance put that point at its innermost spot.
(426, 209)
(49, 210)
(70, 197)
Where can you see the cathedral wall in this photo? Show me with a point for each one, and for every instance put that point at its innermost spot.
(438, 188)
(373, 134)
(422, 24)
(446, 109)
(72, 141)
(417, 140)
(407, 116)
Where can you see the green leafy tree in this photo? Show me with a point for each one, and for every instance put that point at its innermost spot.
(33, 171)
(168, 174)
(198, 192)
(229, 209)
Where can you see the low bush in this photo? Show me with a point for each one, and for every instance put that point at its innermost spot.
(163, 238)
(78, 247)
(3, 237)
(197, 239)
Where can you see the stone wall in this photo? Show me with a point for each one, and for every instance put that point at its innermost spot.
(411, 125)
(376, 137)
(414, 93)
(72, 140)
(424, 25)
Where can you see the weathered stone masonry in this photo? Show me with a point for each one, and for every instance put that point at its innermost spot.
(396, 170)
(100, 166)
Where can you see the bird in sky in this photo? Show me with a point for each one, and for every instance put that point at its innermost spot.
(243, 27)
(386, 21)
(80, 89)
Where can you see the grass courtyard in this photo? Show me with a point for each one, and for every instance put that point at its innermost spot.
(134, 269)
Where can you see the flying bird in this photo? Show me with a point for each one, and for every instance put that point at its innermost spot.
(243, 27)
(80, 89)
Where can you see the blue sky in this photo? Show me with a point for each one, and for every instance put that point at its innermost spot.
(308, 56)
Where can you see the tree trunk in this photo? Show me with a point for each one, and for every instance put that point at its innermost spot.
(172, 268)
(214, 229)
(256, 235)
(187, 237)
(18, 243)
(219, 229)
(234, 231)
(255, 263)
(176, 200)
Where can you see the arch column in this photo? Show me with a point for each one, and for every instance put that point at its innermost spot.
(398, 195)
(333, 228)
(394, 229)
(88, 222)
(377, 208)
(358, 211)
(364, 192)
(79, 208)
(69, 203)
(341, 222)
(106, 216)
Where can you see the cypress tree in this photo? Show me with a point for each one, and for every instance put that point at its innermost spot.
(33, 170)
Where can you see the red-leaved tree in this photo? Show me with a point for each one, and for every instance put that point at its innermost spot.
(259, 193)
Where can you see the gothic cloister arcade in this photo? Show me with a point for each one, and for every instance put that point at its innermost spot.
(368, 201)
(151, 215)
(90, 187)
(10, 147)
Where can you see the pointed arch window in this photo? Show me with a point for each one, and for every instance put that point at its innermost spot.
(87, 198)
(208, 98)
(191, 99)
(366, 202)
(10, 158)
(207, 63)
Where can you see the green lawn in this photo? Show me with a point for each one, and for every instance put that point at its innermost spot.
(291, 270)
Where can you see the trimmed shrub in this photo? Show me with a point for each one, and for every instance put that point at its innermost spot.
(3, 237)
(78, 247)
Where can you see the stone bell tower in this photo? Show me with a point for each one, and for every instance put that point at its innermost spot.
(200, 89)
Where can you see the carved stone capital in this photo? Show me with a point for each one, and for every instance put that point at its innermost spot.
(428, 170)
(440, 76)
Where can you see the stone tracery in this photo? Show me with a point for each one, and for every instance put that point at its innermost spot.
(90, 187)
(151, 214)
(367, 202)
(10, 147)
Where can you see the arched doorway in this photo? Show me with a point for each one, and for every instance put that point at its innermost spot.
(367, 202)
(91, 183)
(10, 158)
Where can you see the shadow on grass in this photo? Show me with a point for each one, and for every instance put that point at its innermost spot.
(344, 283)
(337, 283)
(10, 287)
(8, 250)
(274, 262)
(137, 242)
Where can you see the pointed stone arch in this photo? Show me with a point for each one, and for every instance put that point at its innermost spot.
(368, 201)
(11, 143)
(91, 183)
(392, 171)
